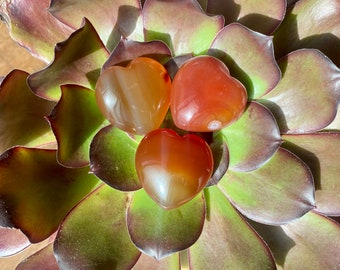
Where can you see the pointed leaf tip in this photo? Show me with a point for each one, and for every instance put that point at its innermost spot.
(225, 237)
(146, 262)
(310, 242)
(249, 13)
(232, 45)
(160, 233)
(253, 139)
(112, 158)
(127, 50)
(25, 125)
(310, 24)
(94, 234)
(314, 150)
(310, 84)
(182, 21)
(75, 127)
(111, 19)
(72, 64)
(33, 27)
(279, 191)
(36, 192)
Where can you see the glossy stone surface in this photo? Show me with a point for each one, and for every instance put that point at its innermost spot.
(205, 97)
(134, 98)
(173, 169)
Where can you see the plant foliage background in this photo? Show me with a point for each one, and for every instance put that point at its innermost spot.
(68, 175)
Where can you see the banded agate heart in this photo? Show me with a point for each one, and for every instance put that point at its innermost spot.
(134, 98)
(173, 169)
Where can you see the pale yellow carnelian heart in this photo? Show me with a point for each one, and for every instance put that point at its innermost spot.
(135, 98)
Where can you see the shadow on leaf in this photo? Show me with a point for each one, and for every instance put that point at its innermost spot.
(309, 158)
(235, 70)
(287, 39)
(123, 27)
(278, 241)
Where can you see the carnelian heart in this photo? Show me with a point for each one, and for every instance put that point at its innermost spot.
(173, 169)
(134, 98)
(205, 97)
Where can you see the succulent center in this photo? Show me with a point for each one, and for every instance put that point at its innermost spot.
(203, 97)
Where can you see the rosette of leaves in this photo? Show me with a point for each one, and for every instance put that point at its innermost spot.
(68, 175)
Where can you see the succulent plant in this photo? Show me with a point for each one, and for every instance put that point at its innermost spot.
(173, 135)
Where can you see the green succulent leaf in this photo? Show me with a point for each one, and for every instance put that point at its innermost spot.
(43, 259)
(321, 152)
(12, 241)
(22, 114)
(276, 193)
(310, 242)
(306, 98)
(310, 24)
(227, 241)
(184, 27)
(95, 234)
(33, 27)
(112, 19)
(36, 192)
(73, 64)
(249, 13)
(252, 139)
(112, 155)
(146, 262)
(249, 56)
(158, 232)
(291, 187)
(128, 50)
(75, 126)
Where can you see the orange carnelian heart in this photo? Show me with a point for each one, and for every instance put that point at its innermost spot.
(135, 98)
(173, 169)
(205, 97)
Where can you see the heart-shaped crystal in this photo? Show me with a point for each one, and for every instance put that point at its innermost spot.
(173, 169)
(134, 98)
(205, 97)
